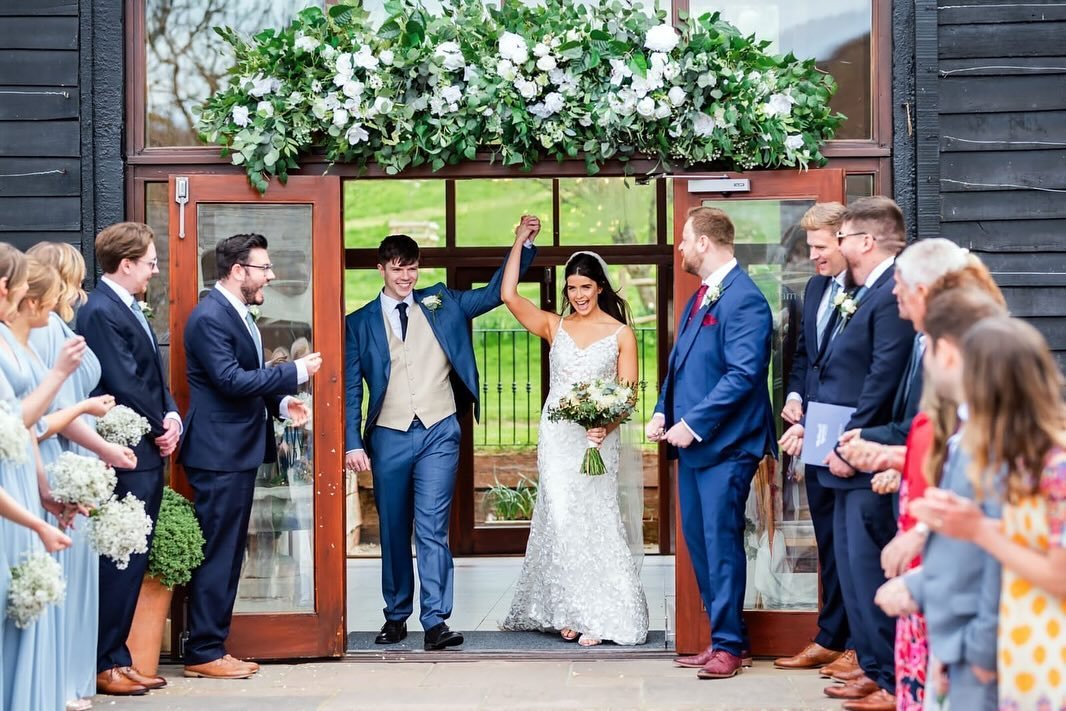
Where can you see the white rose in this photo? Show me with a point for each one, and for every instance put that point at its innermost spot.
(658, 60)
(451, 57)
(546, 63)
(677, 96)
(356, 134)
(386, 57)
(572, 35)
(554, 102)
(794, 143)
(541, 50)
(240, 115)
(506, 70)
(383, 105)
(662, 38)
(344, 65)
(319, 109)
(451, 94)
(514, 47)
(646, 107)
(662, 110)
(540, 110)
(306, 44)
(365, 59)
(353, 89)
(703, 125)
(640, 86)
(265, 108)
(327, 51)
(261, 86)
(778, 105)
(340, 117)
(528, 89)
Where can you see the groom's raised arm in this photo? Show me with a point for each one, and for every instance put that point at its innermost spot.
(482, 300)
(353, 389)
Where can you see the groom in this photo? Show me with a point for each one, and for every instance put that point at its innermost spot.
(414, 350)
(714, 413)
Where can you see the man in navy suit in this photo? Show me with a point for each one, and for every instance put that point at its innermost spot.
(714, 413)
(228, 434)
(413, 349)
(822, 222)
(115, 328)
(865, 356)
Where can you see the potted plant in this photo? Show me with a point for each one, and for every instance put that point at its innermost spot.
(511, 506)
(177, 550)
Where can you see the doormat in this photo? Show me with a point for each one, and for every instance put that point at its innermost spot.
(501, 645)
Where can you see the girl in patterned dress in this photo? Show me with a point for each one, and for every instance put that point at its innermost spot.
(1018, 426)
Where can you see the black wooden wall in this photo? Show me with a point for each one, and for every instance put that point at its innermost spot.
(992, 145)
(61, 113)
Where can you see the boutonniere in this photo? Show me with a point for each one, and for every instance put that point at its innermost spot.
(713, 294)
(432, 302)
(845, 306)
(254, 312)
(146, 309)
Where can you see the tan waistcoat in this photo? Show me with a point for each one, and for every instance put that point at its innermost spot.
(419, 385)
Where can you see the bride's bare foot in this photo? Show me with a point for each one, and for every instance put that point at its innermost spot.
(568, 634)
(587, 641)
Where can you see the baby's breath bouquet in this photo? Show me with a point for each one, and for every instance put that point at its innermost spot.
(81, 480)
(119, 528)
(14, 438)
(36, 583)
(595, 404)
(122, 426)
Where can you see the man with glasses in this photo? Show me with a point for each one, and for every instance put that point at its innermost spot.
(229, 432)
(117, 331)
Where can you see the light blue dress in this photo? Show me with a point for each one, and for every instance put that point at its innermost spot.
(31, 678)
(81, 564)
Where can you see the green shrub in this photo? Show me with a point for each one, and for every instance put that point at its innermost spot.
(513, 504)
(178, 545)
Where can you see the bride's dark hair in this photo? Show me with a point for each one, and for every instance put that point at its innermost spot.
(609, 301)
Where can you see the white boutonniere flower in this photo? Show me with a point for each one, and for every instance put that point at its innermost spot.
(713, 294)
(255, 312)
(845, 306)
(146, 309)
(432, 302)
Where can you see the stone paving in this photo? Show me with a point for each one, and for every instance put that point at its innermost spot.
(631, 684)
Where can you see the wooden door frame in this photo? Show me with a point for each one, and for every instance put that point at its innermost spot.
(772, 632)
(321, 633)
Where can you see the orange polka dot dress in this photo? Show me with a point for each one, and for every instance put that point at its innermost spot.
(1032, 623)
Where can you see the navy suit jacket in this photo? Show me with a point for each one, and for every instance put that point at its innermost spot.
(716, 379)
(226, 428)
(130, 367)
(366, 349)
(904, 408)
(805, 355)
(861, 367)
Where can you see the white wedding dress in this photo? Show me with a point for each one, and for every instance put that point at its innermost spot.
(579, 571)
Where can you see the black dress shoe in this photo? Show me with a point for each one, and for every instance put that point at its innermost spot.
(440, 636)
(391, 632)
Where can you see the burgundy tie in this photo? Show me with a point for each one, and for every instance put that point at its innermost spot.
(697, 304)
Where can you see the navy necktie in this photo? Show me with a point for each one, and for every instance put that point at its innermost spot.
(402, 308)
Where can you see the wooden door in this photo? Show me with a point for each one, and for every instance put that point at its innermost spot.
(291, 599)
(782, 595)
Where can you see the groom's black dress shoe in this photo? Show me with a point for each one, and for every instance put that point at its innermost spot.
(391, 632)
(440, 636)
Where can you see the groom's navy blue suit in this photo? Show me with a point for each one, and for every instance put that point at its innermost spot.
(132, 372)
(423, 500)
(716, 383)
(228, 434)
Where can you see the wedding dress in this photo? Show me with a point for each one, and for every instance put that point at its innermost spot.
(579, 571)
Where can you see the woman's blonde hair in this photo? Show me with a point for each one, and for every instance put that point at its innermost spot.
(70, 265)
(43, 280)
(1014, 395)
(12, 265)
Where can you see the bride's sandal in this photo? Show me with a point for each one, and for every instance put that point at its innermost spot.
(586, 641)
(569, 635)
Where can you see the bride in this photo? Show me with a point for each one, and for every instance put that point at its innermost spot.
(579, 576)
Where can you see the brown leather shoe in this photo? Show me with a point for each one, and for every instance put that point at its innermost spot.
(846, 662)
(857, 689)
(845, 677)
(148, 682)
(251, 665)
(721, 665)
(114, 683)
(880, 700)
(813, 655)
(220, 668)
(697, 661)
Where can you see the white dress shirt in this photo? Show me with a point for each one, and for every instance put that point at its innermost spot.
(878, 271)
(388, 306)
(128, 300)
(822, 306)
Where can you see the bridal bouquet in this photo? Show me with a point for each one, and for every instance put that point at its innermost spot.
(595, 404)
(119, 528)
(122, 426)
(36, 583)
(14, 438)
(81, 480)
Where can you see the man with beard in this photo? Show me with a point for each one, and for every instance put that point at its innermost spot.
(228, 434)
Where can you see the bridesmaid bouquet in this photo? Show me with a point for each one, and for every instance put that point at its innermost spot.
(595, 404)
(119, 528)
(85, 481)
(122, 426)
(36, 583)
(14, 439)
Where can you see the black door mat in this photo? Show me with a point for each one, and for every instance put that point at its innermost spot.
(501, 645)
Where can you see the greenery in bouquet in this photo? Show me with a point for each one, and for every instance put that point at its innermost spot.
(14, 439)
(119, 528)
(123, 426)
(36, 583)
(526, 82)
(178, 545)
(597, 403)
(81, 480)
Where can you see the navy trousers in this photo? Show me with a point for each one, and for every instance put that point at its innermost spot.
(119, 588)
(833, 632)
(223, 506)
(414, 481)
(863, 526)
(712, 501)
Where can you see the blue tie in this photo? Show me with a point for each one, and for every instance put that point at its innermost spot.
(254, 330)
(823, 320)
(144, 322)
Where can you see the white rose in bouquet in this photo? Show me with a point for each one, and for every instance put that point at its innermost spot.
(661, 38)
(514, 48)
(36, 583)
